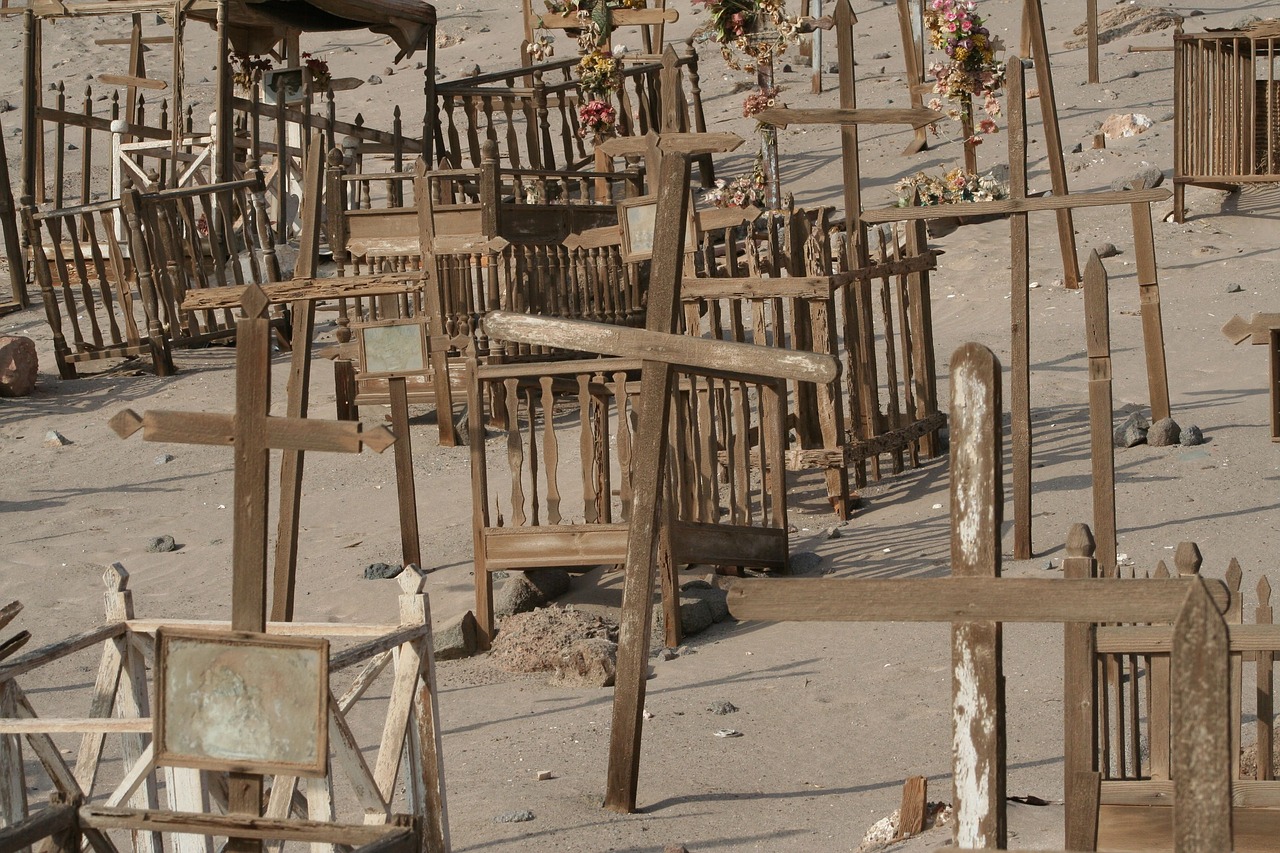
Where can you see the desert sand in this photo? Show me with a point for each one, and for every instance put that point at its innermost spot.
(833, 717)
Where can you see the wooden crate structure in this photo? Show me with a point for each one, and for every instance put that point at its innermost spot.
(776, 280)
(726, 478)
(119, 707)
(1226, 103)
(1129, 741)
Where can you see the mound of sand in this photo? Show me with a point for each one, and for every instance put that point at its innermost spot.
(1124, 21)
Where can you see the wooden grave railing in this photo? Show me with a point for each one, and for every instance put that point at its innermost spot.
(1226, 104)
(726, 481)
(776, 281)
(531, 112)
(147, 800)
(95, 304)
(1129, 738)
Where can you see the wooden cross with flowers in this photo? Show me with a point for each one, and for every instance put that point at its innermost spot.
(595, 21)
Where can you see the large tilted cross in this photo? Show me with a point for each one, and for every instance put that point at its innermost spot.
(253, 433)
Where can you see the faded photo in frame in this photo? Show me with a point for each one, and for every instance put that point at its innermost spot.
(231, 700)
(393, 347)
(638, 220)
(286, 81)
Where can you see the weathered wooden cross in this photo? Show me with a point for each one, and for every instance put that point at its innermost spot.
(976, 601)
(1262, 329)
(663, 351)
(1016, 207)
(253, 433)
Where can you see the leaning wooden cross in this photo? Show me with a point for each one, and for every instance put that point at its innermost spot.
(1017, 206)
(662, 351)
(1261, 330)
(253, 433)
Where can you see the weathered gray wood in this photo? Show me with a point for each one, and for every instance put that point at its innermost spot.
(1020, 315)
(1011, 205)
(1097, 320)
(1079, 699)
(660, 347)
(977, 682)
(1201, 738)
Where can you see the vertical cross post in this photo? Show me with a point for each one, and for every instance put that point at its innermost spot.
(977, 682)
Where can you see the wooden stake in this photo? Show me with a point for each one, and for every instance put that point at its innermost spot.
(1098, 343)
(915, 805)
(406, 494)
(1020, 314)
(977, 684)
(1079, 700)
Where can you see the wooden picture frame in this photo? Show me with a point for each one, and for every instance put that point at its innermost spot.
(291, 80)
(242, 702)
(398, 347)
(637, 220)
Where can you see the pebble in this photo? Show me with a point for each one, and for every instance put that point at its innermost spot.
(1132, 432)
(544, 775)
(728, 733)
(881, 55)
(374, 80)
(5, 106)
(1234, 288)
(1077, 148)
(381, 571)
(1107, 250)
(1164, 433)
(53, 438)
(514, 817)
(163, 459)
(1191, 436)
(1201, 251)
(161, 545)
(720, 707)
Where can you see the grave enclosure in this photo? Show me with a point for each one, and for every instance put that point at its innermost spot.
(640, 381)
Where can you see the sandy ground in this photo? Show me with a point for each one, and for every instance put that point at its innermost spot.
(833, 718)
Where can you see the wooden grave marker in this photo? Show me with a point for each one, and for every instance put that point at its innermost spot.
(976, 601)
(1262, 330)
(662, 350)
(253, 433)
(1017, 206)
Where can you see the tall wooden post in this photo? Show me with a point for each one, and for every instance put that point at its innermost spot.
(32, 129)
(1079, 737)
(224, 144)
(1020, 313)
(977, 682)
(1097, 320)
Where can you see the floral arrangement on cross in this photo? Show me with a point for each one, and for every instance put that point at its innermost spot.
(751, 34)
(599, 71)
(970, 74)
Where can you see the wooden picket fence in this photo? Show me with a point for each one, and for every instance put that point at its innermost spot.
(143, 798)
(1131, 734)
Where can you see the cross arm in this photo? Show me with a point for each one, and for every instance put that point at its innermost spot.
(307, 288)
(1014, 205)
(784, 116)
(677, 350)
(282, 433)
(1238, 329)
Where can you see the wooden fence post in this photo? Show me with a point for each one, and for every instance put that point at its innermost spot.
(1098, 344)
(1201, 740)
(1080, 737)
(977, 688)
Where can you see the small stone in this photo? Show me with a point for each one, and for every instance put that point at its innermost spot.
(381, 571)
(695, 584)
(1130, 73)
(1077, 148)
(590, 662)
(1202, 251)
(716, 599)
(675, 848)
(161, 545)
(19, 366)
(833, 533)
(543, 775)
(1125, 125)
(833, 69)
(1146, 178)
(695, 616)
(1132, 431)
(388, 71)
(728, 733)
(5, 106)
(71, 146)
(1234, 288)
(53, 438)
(1192, 436)
(668, 654)
(721, 707)
(1167, 115)
(525, 591)
(456, 638)
(514, 817)
(881, 55)
(1164, 433)
(805, 561)
(484, 29)
(1107, 250)
(163, 459)
(786, 68)
(1048, 566)
(374, 80)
